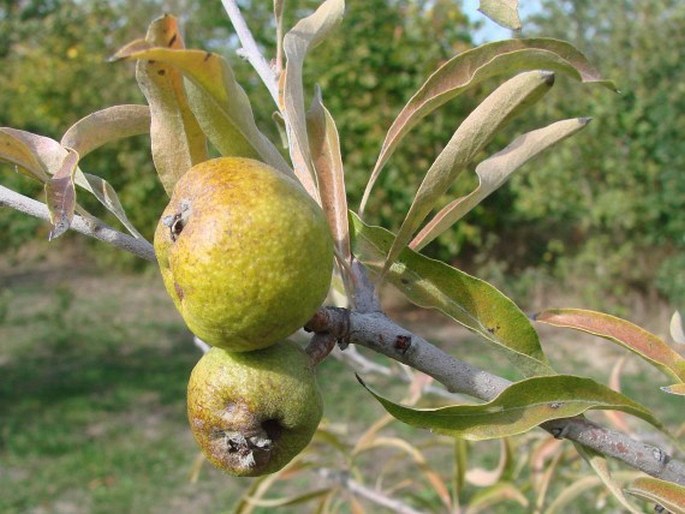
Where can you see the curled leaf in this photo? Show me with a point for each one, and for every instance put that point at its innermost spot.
(15, 151)
(520, 407)
(502, 12)
(676, 328)
(106, 125)
(218, 102)
(60, 195)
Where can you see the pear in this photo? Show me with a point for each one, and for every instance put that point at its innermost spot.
(252, 412)
(245, 253)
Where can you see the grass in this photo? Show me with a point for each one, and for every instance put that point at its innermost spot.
(92, 399)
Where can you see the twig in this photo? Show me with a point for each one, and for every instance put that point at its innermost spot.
(343, 479)
(250, 50)
(376, 331)
(138, 247)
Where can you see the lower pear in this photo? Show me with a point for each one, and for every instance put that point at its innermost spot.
(252, 412)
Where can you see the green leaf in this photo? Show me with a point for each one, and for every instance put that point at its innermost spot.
(324, 144)
(470, 68)
(60, 195)
(472, 302)
(667, 494)
(494, 171)
(521, 406)
(502, 12)
(512, 97)
(177, 140)
(218, 102)
(599, 464)
(106, 125)
(634, 338)
(305, 35)
(51, 155)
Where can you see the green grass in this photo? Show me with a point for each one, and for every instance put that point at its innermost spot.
(93, 372)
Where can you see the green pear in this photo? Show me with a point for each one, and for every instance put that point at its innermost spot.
(245, 253)
(252, 412)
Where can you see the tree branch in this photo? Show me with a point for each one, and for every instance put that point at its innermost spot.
(377, 332)
(138, 247)
(250, 50)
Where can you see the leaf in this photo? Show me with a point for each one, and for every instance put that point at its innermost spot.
(324, 144)
(472, 135)
(634, 338)
(599, 464)
(218, 102)
(521, 406)
(50, 155)
(106, 125)
(667, 494)
(494, 171)
(14, 150)
(305, 35)
(677, 389)
(469, 301)
(481, 477)
(60, 195)
(502, 12)
(676, 328)
(470, 68)
(579, 487)
(177, 140)
(484, 500)
(286, 501)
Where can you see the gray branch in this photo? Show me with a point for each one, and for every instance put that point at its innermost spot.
(250, 50)
(341, 478)
(377, 332)
(98, 230)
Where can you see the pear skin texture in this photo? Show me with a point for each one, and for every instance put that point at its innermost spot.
(252, 412)
(245, 253)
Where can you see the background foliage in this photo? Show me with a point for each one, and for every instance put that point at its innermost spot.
(607, 205)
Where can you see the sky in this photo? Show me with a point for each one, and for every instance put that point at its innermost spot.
(490, 30)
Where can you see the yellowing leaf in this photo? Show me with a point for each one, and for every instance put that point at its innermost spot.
(494, 171)
(472, 67)
(469, 301)
(177, 140)
(667, 494)
(520, 407)
(219, 103)
(634, 338)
